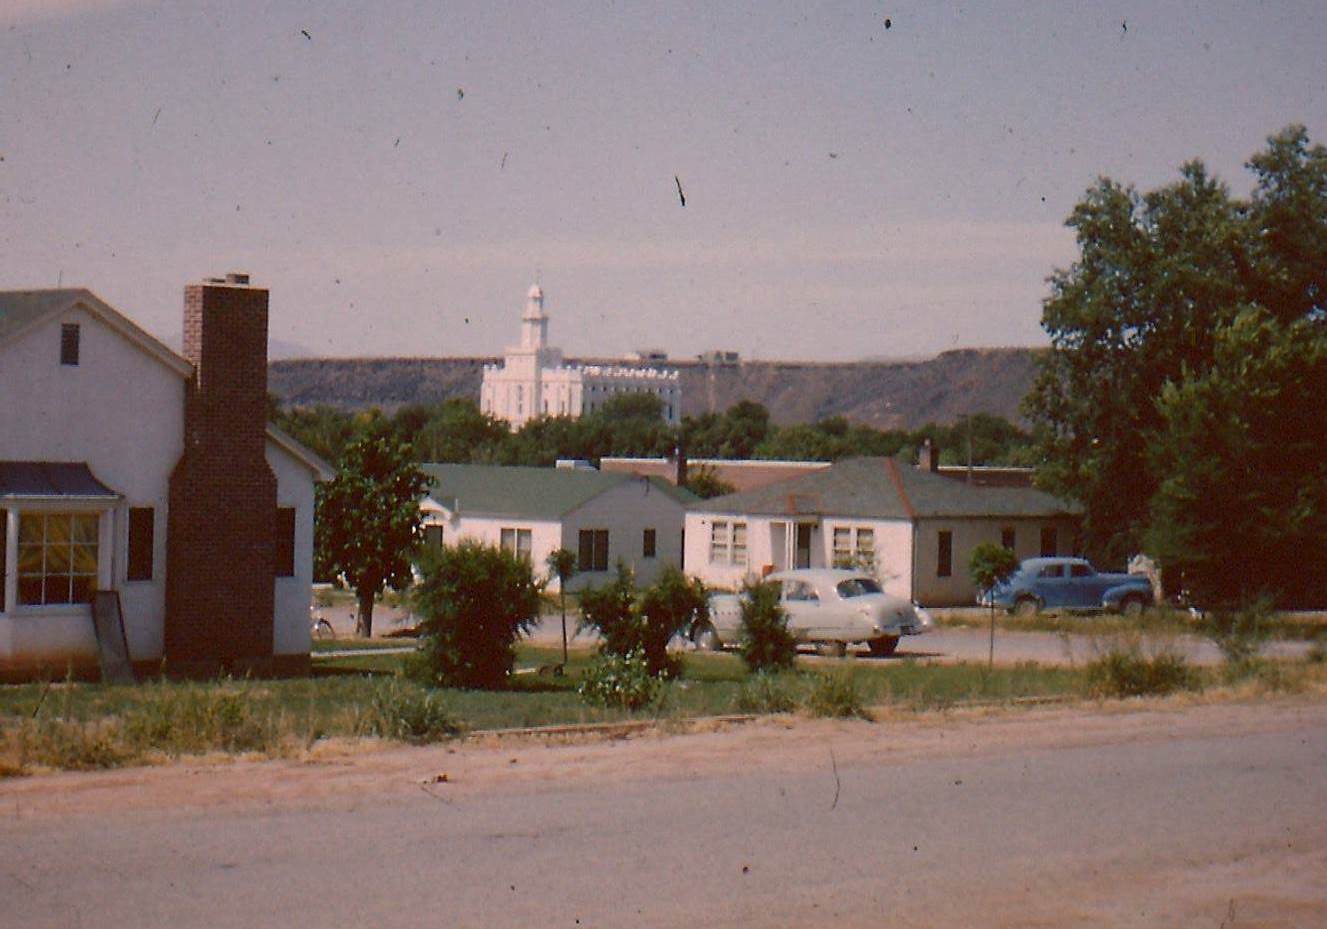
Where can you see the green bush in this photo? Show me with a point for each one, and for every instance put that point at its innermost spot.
(835, 694)
(764, 640)
(767, 692)
(475, 601)
(407, 712)
(671, 605)
(1126, 671)
(619, 681)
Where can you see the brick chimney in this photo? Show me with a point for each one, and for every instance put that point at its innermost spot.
(221, 542)
(928, 456)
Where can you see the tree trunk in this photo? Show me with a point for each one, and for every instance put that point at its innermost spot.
(364, 618)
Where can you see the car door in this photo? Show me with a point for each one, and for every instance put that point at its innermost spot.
(1051, 585)
(802, 605)
(1084, 588)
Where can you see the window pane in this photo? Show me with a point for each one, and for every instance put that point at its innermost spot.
(58, 530)
(508, 540)
(84, 528)
(57, 559)
(57, 588)
(82, 588)
(29, 559)
(523, 543)
(4, 542)
(945, 555)
(29, 590)
(585, 555)
(141, 536)
(31, 528)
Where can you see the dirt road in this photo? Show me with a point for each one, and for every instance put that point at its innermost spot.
(1178, 814)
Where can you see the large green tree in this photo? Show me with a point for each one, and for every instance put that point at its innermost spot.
(1158, 277)
(367, 524)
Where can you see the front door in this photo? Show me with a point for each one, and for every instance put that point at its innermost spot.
(803, 547)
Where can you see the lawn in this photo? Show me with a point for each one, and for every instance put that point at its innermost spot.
(1298, 626)
(78, 725)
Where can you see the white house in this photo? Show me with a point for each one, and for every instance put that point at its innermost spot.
(603, 518)
(534, 381)
(109, 442)
(912, 527)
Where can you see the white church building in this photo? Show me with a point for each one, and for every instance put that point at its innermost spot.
(533, 381)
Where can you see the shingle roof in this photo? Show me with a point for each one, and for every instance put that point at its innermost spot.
(50, 479)
(531, 493)
(885, 488)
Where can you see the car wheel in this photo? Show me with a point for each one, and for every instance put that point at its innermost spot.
(1027, 608)
(883, 646)
(705, 638)
(1132, 607)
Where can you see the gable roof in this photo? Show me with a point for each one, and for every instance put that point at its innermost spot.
(23, 310)
(530, 493)
(885, 488)
(322, 471)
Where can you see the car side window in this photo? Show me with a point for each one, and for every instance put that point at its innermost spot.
(1052, 570)
(1080, 570)
(798, 590)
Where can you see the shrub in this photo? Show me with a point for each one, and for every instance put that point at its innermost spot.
(672, 605)
(765, 642)
(619, 681)
(408, 713)
(835, 694)
(474, 600)
(69, 744)
(184, 719)
(610, 610)
(1125, 671)
(1239, 633)
(766, 692)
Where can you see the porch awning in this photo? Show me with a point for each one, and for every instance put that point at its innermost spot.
(46, 479)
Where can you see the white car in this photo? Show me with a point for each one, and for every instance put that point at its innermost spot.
(828, 607)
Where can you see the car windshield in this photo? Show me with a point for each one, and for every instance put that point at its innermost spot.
(856, 586)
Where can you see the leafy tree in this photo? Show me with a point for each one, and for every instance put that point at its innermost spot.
(765, 642)
(454, 431)
(704, 482)
(475, 600)
(1241, 510)
(367, 521)
(610, 610)
(989, 565)
(324, 430)
(561, 564)
(1160, 278)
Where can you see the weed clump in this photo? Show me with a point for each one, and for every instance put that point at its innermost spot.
(407, 713)
(835, 694)
(767, 692)
(1125, 670)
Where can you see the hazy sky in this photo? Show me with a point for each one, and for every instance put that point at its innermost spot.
(399, 173)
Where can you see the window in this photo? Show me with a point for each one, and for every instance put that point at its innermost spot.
(285, 541)
(57, 558)
(648, 544)
(517, 541)
(1048, 541)
(593, 550)
(1007, 537)
(4, 540)
(141, 534)
(739, 543)
(945, 555)
(69, 344)
(1079, 570)
(727, 543)
(800, 591)
(433, 538)
(857, 586)
(854, 548)
(1051, 570)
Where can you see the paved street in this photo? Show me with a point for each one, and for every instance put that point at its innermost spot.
(1061, 818)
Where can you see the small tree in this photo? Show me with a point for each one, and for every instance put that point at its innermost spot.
(561, 564)
(704, 481)
(765, 643)
(672, 604)
(368, 519)
(610, 610)
(475, 601)
(990, 565)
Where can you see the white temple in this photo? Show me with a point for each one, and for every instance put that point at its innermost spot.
(532, 380)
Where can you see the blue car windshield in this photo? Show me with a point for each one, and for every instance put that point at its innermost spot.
(856, 586)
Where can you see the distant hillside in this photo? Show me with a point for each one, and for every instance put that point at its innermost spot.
(884, 394)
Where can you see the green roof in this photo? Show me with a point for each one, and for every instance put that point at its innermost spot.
(530, 493)
(19, 308)
(885, 488)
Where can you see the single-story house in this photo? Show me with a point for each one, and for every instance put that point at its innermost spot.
(127, 467)
(602, 518)
(911, 527)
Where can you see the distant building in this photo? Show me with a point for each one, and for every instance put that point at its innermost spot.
(603, 518)
(533, 381)
(721, 357)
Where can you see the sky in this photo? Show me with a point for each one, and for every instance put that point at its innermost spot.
(861, 179)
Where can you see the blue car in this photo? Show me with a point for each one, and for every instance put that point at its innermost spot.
(1070, 584)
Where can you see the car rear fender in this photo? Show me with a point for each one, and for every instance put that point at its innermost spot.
(1114, 596)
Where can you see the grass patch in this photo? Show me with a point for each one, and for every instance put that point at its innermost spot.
(1286, 626)
(1126, 669)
